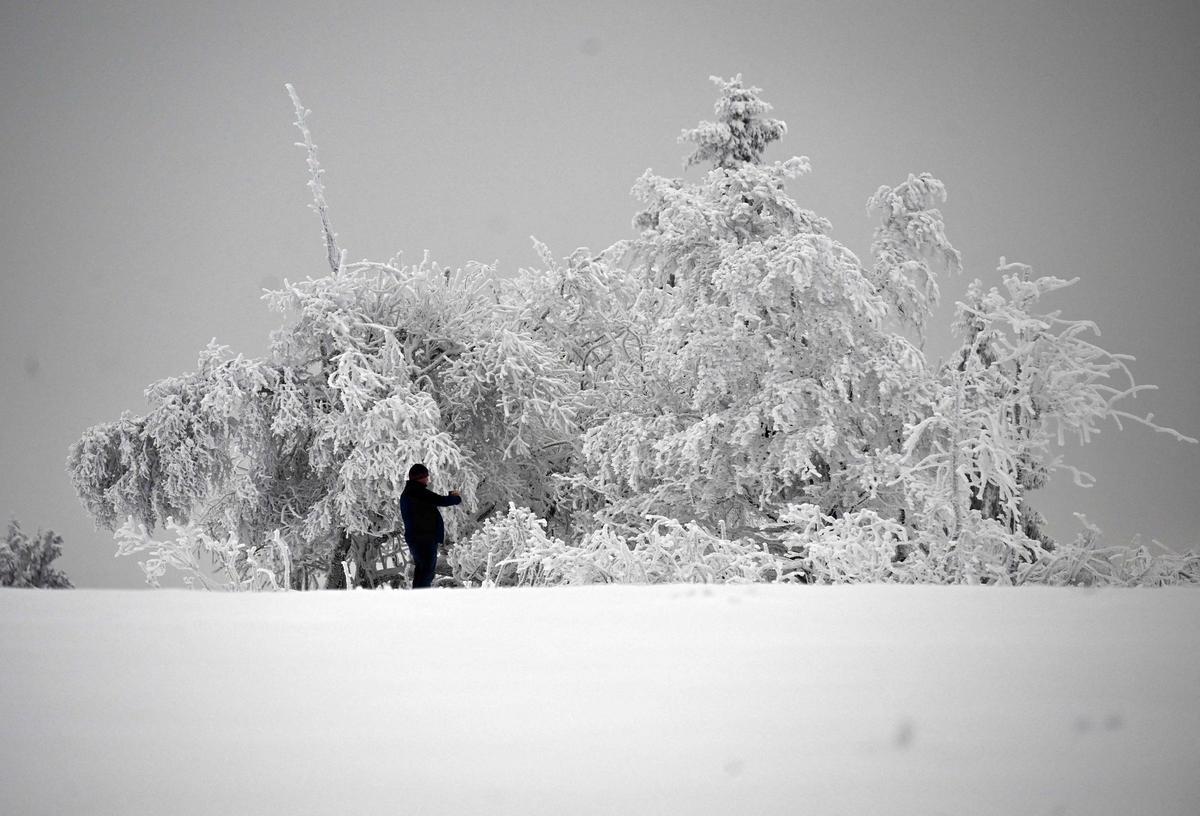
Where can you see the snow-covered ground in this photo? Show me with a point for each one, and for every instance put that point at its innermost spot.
(661, 700)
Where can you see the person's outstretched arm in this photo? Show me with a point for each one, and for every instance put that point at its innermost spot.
(445, 501)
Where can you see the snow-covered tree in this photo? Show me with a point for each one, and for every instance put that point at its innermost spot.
(769, 364)
(27, 561)
(381, 366)
(1022, 382)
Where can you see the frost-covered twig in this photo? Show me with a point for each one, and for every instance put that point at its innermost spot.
(336, 259)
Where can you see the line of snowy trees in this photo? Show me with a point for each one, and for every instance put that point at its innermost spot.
(731, 395)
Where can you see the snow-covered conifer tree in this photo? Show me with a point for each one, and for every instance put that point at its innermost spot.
(769, 365)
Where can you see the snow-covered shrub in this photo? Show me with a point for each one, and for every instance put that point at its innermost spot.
(865, 547)
(207, 562)
(1085, 562)
(858, 547)
(514, 550)
(28, 561)
(485, 556)
(862, 547)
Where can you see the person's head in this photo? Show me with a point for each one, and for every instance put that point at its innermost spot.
(418, 473)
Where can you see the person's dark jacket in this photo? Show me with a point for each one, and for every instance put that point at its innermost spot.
(419, 510)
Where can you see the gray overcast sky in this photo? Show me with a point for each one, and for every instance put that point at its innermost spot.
(150, 186)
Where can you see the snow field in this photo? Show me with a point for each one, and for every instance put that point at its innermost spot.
(688, 699)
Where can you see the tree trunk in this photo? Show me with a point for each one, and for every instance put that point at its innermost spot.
(335, 578)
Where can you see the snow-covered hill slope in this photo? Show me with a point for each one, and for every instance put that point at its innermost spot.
(622, 700)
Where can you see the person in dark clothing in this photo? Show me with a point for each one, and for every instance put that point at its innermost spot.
(423, 528)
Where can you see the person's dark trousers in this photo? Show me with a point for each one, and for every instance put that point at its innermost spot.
(424, 556)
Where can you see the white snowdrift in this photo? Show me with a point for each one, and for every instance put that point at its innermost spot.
(669, 699)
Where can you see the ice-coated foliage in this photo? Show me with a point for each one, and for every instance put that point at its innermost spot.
(911, 234)
(206, 562)
(27, 561)
(729, 395)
